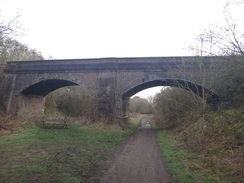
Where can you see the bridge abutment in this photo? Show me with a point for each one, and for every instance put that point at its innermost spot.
(28, 107)
(31, 107)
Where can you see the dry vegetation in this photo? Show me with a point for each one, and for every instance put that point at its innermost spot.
(217, 137)
(10, 123)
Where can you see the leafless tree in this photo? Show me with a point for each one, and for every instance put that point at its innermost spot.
(10, 28)
(227, 39)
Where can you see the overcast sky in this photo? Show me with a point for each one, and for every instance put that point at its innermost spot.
(112, 28)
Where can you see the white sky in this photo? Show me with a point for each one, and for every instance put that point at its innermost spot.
(112, 28)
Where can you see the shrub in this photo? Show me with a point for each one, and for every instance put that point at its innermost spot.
(70, 101)
(173, 104)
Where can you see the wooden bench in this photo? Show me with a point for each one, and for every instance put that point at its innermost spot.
(61, 121)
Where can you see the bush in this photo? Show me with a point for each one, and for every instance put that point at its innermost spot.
(140, 105)
(173, 104)
(70, 101)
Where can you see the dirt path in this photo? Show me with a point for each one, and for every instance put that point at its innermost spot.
(139, 161)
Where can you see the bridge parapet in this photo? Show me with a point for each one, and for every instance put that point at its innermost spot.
(146, 64)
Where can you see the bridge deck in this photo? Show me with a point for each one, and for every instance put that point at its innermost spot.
(104, 64)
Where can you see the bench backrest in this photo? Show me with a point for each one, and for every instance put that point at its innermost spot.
(60, 119)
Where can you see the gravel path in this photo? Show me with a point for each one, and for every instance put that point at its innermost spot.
(140, 160)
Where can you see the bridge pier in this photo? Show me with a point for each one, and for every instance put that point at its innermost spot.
(110, 104)
(125, 110)
(105, 98)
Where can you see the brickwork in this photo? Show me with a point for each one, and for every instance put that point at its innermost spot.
(112, 80)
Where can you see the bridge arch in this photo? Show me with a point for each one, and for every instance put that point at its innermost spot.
(195, 88)
(32, 98)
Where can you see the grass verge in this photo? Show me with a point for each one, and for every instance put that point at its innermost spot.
(76, 154)
(184, 165)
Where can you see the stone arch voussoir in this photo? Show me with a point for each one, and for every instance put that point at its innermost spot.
(188, 85)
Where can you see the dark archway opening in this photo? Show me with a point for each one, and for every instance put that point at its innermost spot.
(45, 87)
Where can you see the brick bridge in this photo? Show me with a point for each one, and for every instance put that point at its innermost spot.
(112, 80)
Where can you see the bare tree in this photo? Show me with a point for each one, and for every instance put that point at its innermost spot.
(11, 49)
(227, 39)
(11, 28)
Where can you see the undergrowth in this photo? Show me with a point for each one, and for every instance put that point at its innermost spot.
(10, 123)
(184, 166)
(214, 142)
(219, 138)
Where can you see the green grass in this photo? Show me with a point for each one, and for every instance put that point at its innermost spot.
(184, 166)
(76, 154)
